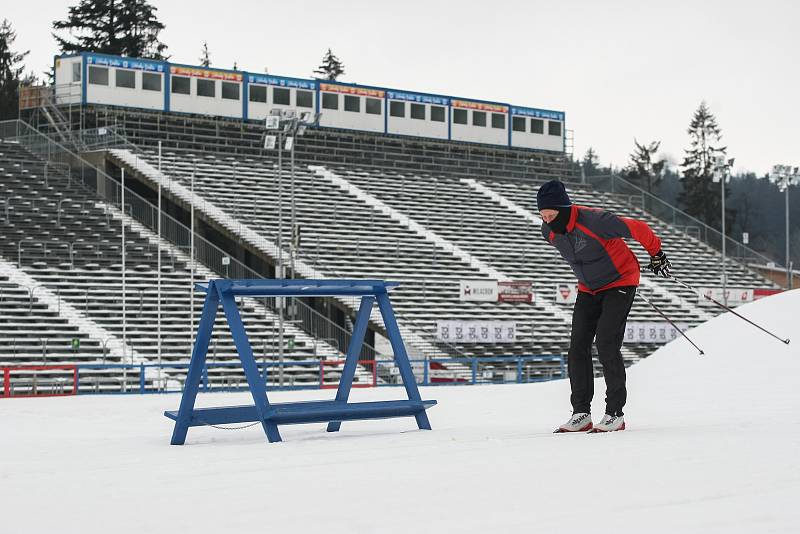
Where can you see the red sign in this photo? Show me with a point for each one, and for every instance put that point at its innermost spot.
(349, 90)
(515, 291)
(480, 106)
(205, 73)
(761, 293)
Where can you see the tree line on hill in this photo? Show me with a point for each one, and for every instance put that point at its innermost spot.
(753, 204)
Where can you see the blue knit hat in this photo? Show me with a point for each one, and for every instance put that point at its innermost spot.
(552, 195)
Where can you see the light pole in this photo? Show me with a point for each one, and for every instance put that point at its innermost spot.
(722, 174)
(287, 124)
(784, 176)
(158, 252)
(191, 260)
(124, 300)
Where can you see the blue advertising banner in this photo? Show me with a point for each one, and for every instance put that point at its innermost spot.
(126, 63)
(268, 79)
(417, 97)
(538, 113)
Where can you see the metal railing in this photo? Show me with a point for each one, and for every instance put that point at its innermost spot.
(110, 137)
(107, 189)
(692, 226)
(142, 378)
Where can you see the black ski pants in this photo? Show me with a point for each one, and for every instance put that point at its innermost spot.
(603, 315)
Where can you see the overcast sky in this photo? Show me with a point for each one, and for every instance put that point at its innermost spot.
(619, 69)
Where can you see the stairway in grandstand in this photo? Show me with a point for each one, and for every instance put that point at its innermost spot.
(61, 280)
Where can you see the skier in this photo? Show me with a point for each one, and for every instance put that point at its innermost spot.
(590, 241)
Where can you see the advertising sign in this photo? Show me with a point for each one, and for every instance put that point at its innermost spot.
(736, 296)
(538, 113)
(479, 106)
(651, 332)
(566, 293)
(478, 290)
(195, 72)
(515, 291)
(125, 63)
(417, 97)
(268, 79)
(350, 90)
(458, 331)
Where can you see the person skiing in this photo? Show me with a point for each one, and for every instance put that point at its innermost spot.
(591, 241)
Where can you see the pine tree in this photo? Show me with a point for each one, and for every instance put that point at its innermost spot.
(331, 67)
(643, 168)
(10, 72)
(117, 27)
(700, 196)
(590, 161)
(205, 59)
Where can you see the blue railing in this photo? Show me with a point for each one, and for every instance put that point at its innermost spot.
(148, 378)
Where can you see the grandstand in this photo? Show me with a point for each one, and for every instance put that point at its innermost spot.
(60, 252)
(428, 213)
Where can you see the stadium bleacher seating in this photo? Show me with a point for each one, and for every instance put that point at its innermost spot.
(68, 243)
(428, 214)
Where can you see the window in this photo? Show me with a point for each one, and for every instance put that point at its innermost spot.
(518, 124)
(498, 120)
(554, 127)
(98, 75)
(373, 106)
(258, 93)
(181, 85)
(352, 103)
(397, 109)
(537, 126)
(126, 78)
(76, 71)
(304, 99)
(437, 113)
(206, 88)
(151, 81)
(330, 101)
(281, 96)
(479, 118)
(230, 91)
(460, 116)
(418, 111)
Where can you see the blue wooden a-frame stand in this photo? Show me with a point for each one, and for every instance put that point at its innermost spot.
(271, 415)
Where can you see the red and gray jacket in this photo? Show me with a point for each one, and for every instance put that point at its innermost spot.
(593, 247)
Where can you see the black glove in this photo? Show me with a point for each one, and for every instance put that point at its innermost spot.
(660, 265)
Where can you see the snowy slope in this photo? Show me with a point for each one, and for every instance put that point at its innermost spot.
(712, 446)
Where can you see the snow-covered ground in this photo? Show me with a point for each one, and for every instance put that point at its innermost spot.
(713, 445)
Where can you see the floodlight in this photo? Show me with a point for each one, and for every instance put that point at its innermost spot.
(722, 169)
(270, 141)
(289, 143)
(272, 122)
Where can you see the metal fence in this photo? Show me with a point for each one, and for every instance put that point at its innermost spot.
(143, 378)
(682, 221)
(415, 335)
(82, 172)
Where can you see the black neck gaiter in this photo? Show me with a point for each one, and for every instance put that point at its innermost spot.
(559, 224)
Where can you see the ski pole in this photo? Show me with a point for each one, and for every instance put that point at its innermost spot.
(690, 288)
(670, 322)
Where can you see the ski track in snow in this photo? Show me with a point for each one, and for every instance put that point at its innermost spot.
(711, 446)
